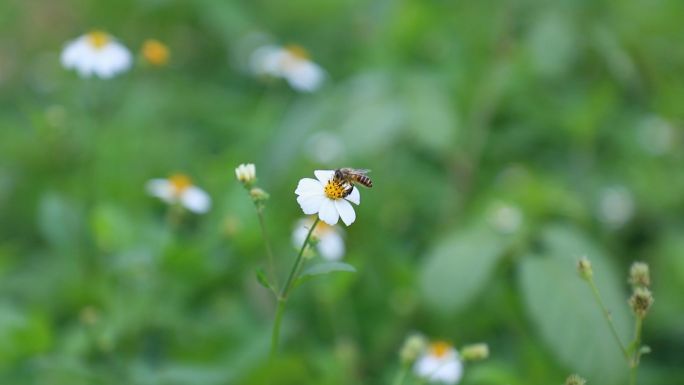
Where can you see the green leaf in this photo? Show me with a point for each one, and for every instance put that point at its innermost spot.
(60, 222)
(263, 280)
(564, 311)
(459, 267)
(326, 268)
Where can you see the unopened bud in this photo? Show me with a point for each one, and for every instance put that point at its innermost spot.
(413, 347)
(475, 352)
(584, 268)
(246, 174)
(641, 301)
(575, 380)
(639, 275)
(258, 195)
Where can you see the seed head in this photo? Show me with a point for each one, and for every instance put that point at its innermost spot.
(639, 275)
(641, 301)
(584, 268)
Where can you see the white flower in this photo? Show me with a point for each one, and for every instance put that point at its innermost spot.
(96, 53)
(326, 197)
(178, 189)
(440, 363)
(291, 63)
(330, 243)
(246, 173)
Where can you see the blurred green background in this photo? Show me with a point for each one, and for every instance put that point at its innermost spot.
(506, 139)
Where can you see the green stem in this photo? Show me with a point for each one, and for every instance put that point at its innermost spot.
(608, 317)
(401, 375)
(285, 291)
(634, 365)
(269, 250)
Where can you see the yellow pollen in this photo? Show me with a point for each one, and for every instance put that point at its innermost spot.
(98, 39)
(297, 51)
(439, 349)
(179, 183)
(155, 52)
(334, 189)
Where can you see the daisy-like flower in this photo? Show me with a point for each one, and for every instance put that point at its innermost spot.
(440, 363)
(325, 196)
(330, 243)
(291, 63)
(246, 173)
(178, 189)
(155, 52)
(96, 53)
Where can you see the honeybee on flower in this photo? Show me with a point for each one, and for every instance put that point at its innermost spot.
(291, 63)
(179, 190)
(96, 53)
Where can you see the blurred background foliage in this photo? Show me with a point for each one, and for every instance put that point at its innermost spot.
(506, 140)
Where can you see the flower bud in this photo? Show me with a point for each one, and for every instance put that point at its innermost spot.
(575, 380)
(246, 174)
(475, 352)
(641, 301)
(412, 348)
(258, 195)
(639, 275)
(584, 268)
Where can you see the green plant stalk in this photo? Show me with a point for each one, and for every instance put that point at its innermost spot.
(269, 250)
(607, 316)
(401, 375)
(285, 291)
(634, 364)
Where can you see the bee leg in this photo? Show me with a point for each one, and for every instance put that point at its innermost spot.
(348, 191)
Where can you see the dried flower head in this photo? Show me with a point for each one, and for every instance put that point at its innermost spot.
(639, 275)
(574, 379)
(475, 352)
(584, 268)
(641, 301)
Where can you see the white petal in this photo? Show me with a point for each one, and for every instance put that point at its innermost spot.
(324, 175)
(308, 186)
(447, 369)
(300, 232)
(267, 60)
(449, 372)
(330, 246)
(196, 200)
(310, 204)
(354, 197)
(346, 211)
(328, 213)
(160, 188)
(305, 76)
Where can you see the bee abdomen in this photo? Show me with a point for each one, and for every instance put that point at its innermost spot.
(364, 180)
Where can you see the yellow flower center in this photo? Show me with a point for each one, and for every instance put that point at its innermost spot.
(155, 52)
(335, 190)
(98, 39)
(179, 183)
(297, 51)
(439, 349)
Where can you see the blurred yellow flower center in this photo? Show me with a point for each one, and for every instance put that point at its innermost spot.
(155, 52)
(98, 39)
(179, 183)
(334, 189)
(439, 349)
(297, 51)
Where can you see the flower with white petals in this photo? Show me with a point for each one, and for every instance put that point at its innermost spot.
(178, 189)
(327, 197)
(291, 63)
(246, 173)
(330, 243)
(96, 53)
(440, 363)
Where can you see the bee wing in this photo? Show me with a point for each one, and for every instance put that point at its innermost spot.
(361, 171)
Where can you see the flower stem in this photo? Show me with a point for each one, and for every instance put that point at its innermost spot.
(607, 316)
(401, 375)
(634, 364)
(269, 250)
(285, 291)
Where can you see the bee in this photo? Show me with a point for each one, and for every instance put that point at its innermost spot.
(352, 176)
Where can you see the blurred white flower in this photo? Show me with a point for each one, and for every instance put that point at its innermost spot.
(178, 189)
(655, 135)
(246, 173)
(330, 243)
(505, 218)
(96, 53)
(440, 363)
(615, 206)
(326, 197)
(290, 63)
